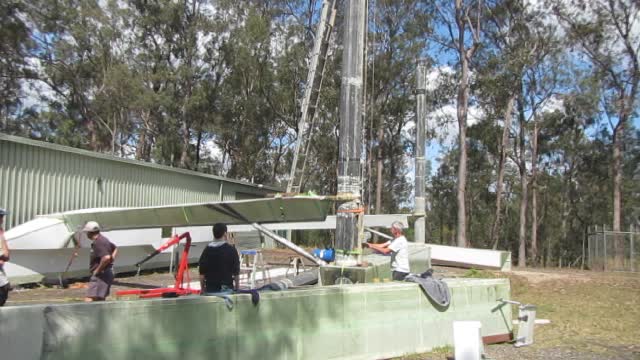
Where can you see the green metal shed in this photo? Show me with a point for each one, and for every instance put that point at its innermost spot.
(42, 178)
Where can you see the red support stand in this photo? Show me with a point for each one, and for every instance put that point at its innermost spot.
(183, 270)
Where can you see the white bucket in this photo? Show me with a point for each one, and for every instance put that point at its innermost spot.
(467, 340)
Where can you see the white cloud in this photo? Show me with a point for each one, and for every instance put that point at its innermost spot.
(437, 76)
(443, 122)
(585, 11)
(552, 104)
(213, 149)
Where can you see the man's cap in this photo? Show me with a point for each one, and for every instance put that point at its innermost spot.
(91, 226)
(3, 212)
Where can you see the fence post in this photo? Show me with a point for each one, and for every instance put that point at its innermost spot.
(594, 264)
(601, 257)
(588, 248)
(596, 248)
(604, 236)
(632, 257)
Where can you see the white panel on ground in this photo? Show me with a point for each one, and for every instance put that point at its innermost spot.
(467, 257)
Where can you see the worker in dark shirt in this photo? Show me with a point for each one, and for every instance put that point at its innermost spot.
(103, 253)
(219, 263)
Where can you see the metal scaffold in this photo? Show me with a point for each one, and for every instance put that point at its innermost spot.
(311, 95)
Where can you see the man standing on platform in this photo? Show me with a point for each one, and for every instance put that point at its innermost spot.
(103, 254)
(399, 250)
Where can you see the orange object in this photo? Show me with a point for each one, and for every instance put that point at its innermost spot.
(183, 270)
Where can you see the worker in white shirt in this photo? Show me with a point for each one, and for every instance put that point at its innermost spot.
(398, 248)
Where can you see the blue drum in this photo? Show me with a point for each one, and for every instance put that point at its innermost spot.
(327, 255)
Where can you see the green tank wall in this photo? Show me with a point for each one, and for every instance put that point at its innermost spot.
(43, 178)
(365, 321)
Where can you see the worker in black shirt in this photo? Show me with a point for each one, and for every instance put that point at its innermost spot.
(219, 263)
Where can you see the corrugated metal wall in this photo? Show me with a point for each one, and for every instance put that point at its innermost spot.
(41, 178)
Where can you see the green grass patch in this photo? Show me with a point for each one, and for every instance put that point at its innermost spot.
(438, 353)
(597, 313)
(590, 312)
(478, 274)
(442, 350)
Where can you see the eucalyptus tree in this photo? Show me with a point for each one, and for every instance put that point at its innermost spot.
(462, 21)
(398, 31)
(78, 51)
(502, 67)
(605, 31)
(512, 76)
(15, 45)
(442, 194)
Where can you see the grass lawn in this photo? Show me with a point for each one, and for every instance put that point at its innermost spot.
(593, 315)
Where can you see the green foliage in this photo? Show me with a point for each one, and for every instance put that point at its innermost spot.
(217, 86)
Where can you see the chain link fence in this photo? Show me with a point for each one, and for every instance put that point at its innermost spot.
(613, 250)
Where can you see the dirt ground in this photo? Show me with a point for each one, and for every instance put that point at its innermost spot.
(76, 289)
(593, 316)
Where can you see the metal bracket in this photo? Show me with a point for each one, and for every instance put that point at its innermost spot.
(526, 322)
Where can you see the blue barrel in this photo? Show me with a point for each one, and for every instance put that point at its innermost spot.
(327, 255)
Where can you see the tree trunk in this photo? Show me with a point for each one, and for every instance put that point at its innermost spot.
(142, 138)
(464, 55)
(114, 135)
(522, 234)
(468, 220)
(198, 145)
(461, 238)
(186, 137)
(618, 245)
(522, 257)
(93, 135)
(442, 239)
(495, 229)
(534, 193)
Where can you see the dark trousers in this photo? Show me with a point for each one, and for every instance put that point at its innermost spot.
(4, 294)
(398, 275)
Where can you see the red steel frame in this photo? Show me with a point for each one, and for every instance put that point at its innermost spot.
(183, 270)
